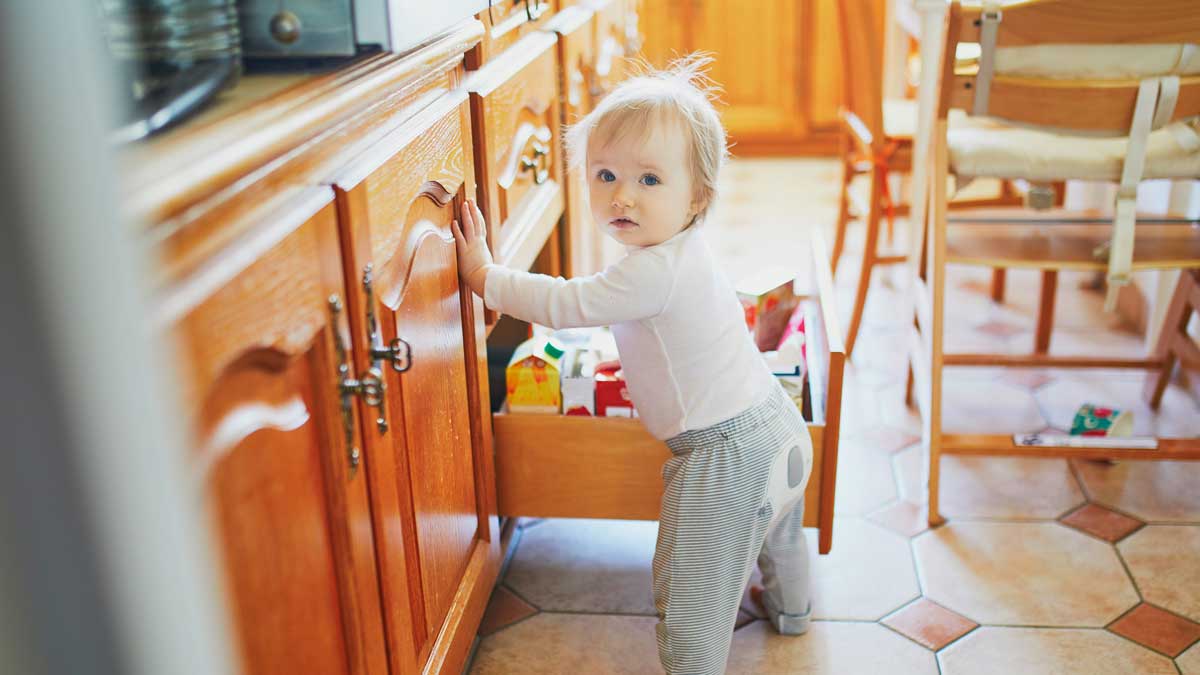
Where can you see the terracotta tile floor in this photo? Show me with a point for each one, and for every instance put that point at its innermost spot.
(1044, 566)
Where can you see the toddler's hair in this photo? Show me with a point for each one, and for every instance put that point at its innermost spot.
(683, 94)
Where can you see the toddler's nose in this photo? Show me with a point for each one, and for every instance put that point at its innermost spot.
(622, 199)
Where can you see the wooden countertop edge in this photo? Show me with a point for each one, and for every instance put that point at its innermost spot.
(162, 183)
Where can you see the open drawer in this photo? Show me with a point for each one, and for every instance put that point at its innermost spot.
(609, 467)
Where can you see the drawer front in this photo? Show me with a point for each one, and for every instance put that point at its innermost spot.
(519, 153)
(506, 22)
(601, 467)
(428, 457)
(609, 66)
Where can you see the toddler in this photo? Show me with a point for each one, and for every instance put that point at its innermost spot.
(734, 488)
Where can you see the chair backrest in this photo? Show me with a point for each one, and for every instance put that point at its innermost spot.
(861, 25)
(1053, 97)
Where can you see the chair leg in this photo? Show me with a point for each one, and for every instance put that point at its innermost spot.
(839, 237)
(999, 276)
(1045, 322)
(937, 289)
(1175, 323)
(869, 257)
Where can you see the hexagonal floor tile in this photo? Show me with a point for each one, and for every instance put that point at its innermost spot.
(1165, 563)
(1026, 378)
(1155, 491)
(868, 574)
(1189, 661)
(864, 481)
(1179, 416)
(1036, 574)
(585, 565)
(982, 405)
(1101, 523)
(881, 439)
(993, 487)
(828, 647)
(581, 644)
(504, 609)
(910, 474)
(1165, 632)
(1007, 487)
(993, 650)
(903, 517)
(929, 624)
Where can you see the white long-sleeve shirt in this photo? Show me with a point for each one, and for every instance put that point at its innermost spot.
(688, 357)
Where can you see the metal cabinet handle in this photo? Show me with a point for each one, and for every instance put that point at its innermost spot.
(534, 9)
(538, 164)
(346, 384)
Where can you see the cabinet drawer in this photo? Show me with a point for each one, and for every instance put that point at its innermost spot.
(604, 467)
(518, 153)
(506, 22)
(575, 30)
(608, 65)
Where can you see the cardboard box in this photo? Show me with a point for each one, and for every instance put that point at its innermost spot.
(612, 395)
(533, 377)
(768, 300)
(579, 381)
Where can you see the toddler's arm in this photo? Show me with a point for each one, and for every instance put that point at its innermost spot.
(637, 287)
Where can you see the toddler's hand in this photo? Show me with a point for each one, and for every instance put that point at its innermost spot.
(473, 254)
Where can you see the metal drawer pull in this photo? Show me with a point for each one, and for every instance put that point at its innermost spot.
(541, 172)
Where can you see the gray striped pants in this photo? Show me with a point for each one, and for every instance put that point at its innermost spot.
(734, 491)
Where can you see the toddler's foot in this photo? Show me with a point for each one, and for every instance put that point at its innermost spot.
(784, 624)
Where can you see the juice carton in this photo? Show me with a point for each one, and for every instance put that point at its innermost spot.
(789, 358)
(767, 299)
(579, 381)
(794, 327)
(532, 377)
(612, 396)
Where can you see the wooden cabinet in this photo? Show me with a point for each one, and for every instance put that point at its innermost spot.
(778, 62)
(431, 473)
(506, 22)
(575, 30)
(518, 151)
(258, 327)
(611, 45)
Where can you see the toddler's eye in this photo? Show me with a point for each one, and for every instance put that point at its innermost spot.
(606, 175)
(650, 180)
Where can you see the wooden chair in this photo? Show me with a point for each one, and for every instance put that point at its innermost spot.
(1039, 94)
(877, 141)
(1174, 344)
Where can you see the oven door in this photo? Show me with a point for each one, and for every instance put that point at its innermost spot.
(400, 25)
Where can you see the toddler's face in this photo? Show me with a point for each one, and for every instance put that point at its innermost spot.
(640, 186)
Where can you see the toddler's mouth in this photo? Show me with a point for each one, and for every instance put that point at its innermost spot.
(622, 223)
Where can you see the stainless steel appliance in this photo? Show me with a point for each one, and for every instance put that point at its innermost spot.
(174, 55)
(306, 29)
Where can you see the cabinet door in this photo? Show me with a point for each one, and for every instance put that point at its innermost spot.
(758, 63)
(610, 38)
(514, 101)
(429, 440)
(257, 343)
(575, 28)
